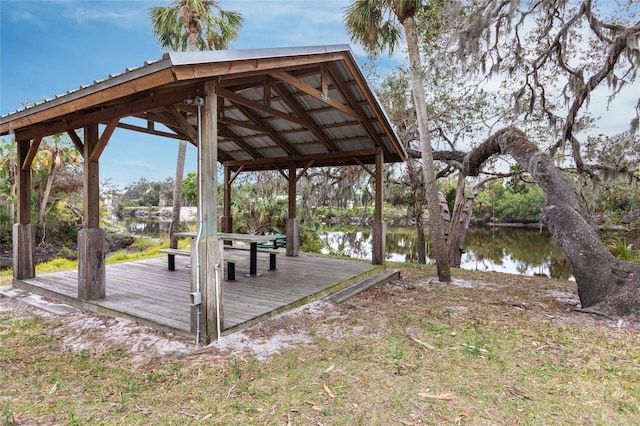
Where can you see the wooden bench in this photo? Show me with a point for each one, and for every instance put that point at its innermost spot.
(171, 256)
(231, 265)
(272, 254)
(229, 258)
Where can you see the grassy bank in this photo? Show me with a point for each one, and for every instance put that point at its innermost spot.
(489, 349)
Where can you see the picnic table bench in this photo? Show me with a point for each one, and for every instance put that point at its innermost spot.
(272, 254)
(228, 257)
(253, 249)
(276, 241)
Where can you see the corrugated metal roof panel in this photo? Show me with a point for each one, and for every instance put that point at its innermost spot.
(277, 112)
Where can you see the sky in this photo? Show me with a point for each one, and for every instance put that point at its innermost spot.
(50, 47)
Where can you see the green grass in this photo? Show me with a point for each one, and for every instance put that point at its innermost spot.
(145, 248)
(503, 353)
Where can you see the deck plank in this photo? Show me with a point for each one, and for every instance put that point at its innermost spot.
(147, 292)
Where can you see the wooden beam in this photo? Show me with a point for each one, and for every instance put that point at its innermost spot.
(93, 99)
(344, 91)
(76, 140)
(77, 119)
(154, 132)
(292, 191)
(24, 183)
(33, 150)
(378, 249)
(236, 174)
(241, 100)
(304, 170)
(209, 248)
(96, 152)
(266, 129)
(23, 235)
(366, 169)
(302, 159)
(372, 100)
(228, 133)
(309, 90)
(251, 66)
(183, 123)
(311, 125)
(91, 178)
(379, 185)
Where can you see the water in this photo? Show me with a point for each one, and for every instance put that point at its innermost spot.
(523, 251)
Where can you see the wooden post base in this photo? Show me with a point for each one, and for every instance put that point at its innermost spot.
(91, 267)
(23, 251)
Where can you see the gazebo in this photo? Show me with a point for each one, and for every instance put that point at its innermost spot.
(284, 109)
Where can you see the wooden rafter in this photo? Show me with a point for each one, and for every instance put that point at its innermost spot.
(146, 130)
(183, 123)
(79, 119)
(300, 85)
(229, 134)
(267, 130)
(311, 125)
(371, 100)
(167, 120)
(241, 100)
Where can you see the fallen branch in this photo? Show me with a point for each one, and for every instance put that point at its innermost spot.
(592, 312)
(420, 342)
(441, 397)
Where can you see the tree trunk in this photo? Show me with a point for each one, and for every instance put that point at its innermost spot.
(436, 223)
(605, 283)
(416, 202)
(177, 195)
(458, 230)
(47, 189)
(461, 218)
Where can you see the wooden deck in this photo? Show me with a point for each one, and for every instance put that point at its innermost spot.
(148, 293)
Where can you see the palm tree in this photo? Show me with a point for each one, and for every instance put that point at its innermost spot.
(378, 25)
(192, 24)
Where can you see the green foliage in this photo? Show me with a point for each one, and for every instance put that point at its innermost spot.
(190, 189)
(619, 196)
(310, 242)
(259, 206)
(5, 229)
(143, 244)
(523, 206)
(500, 204)
(623, 250)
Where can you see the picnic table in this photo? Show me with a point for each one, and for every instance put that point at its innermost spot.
(253, 241)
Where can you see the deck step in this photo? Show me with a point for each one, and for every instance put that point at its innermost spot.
(349, 292)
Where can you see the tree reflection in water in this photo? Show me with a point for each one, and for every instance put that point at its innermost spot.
(522, 251)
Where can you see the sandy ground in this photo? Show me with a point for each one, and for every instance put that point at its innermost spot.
(81, 330)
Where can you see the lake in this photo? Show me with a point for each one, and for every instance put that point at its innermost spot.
(514, 250)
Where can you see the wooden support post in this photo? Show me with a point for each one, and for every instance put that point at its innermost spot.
(226, 221)
(292, 221)
(91, 239)
(23, 244)
(209, 247)
(378, 252)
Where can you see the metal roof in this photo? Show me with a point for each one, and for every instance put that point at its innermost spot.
(308, 105)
